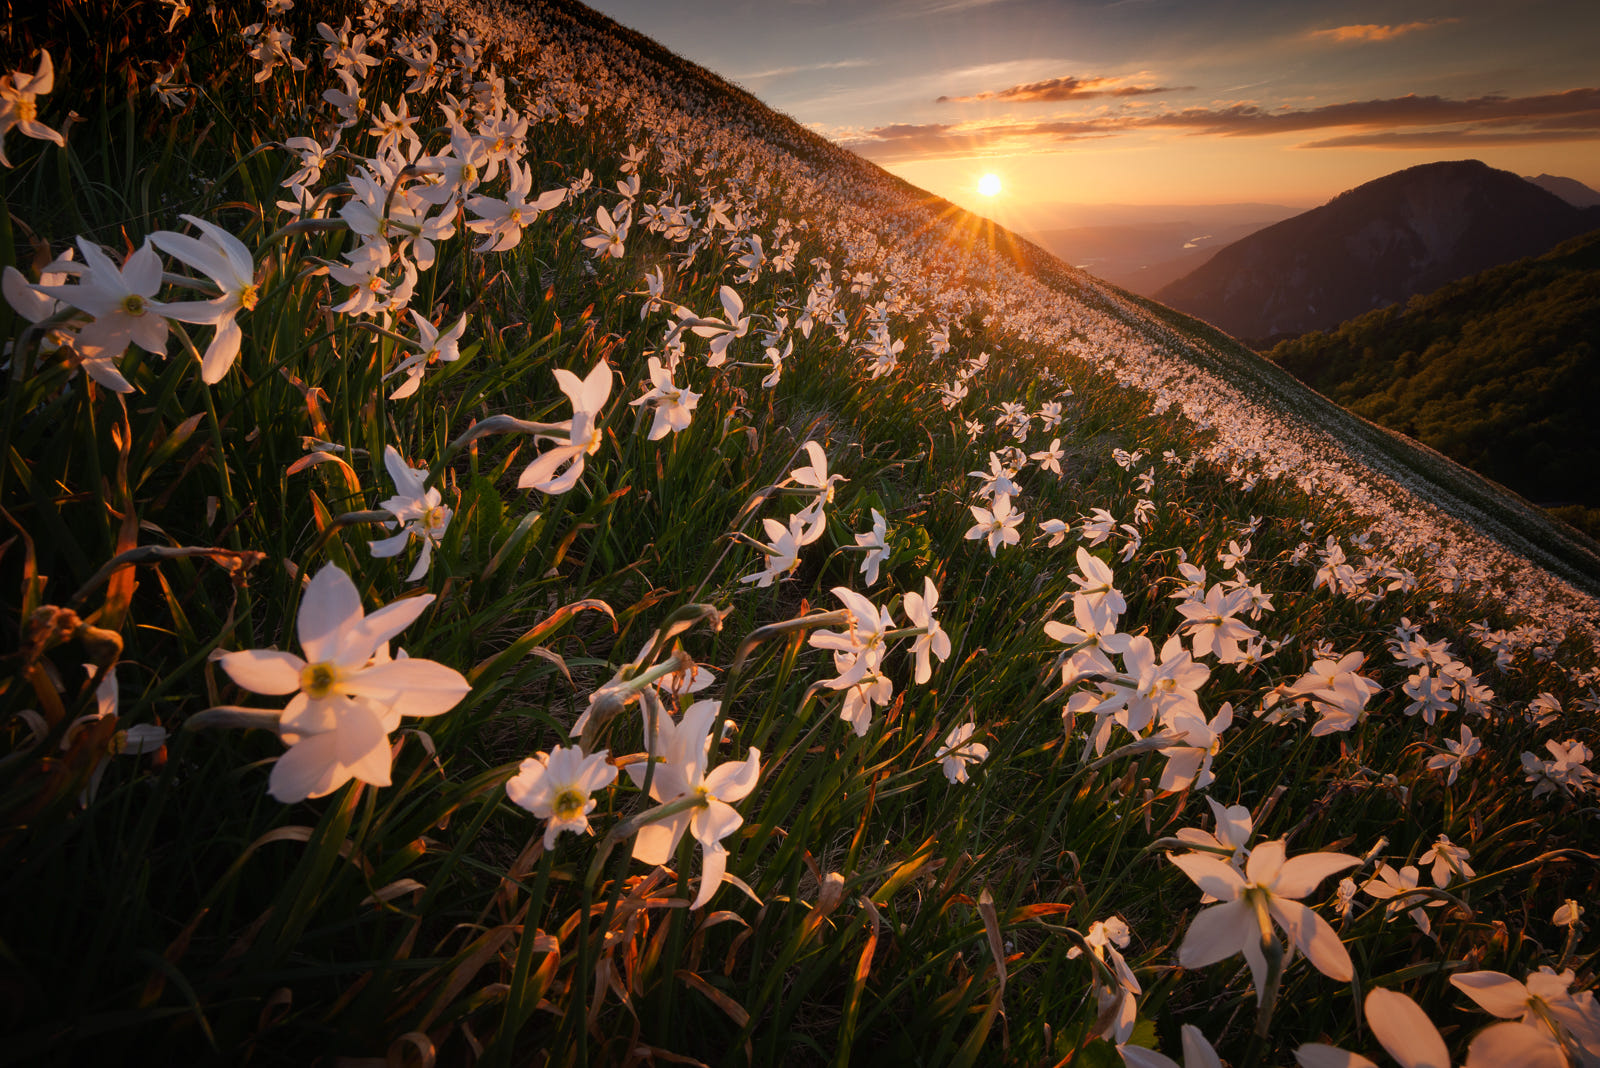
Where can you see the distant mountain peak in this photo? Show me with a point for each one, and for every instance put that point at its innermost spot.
(1378, 244)
(1571, 190)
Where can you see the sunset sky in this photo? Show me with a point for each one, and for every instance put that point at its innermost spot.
(1160, 101)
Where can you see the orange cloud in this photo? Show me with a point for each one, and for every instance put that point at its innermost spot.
(1373, 32)
(1069, 87)
(1406, 121)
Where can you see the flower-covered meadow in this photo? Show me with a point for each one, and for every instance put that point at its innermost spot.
(514, 553)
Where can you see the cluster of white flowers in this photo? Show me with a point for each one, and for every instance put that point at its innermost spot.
(889, 298)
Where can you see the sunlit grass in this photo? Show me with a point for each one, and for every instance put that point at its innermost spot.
(177, 888)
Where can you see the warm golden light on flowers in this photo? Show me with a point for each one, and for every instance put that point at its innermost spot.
(814, 362)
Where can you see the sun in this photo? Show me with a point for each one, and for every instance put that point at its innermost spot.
(989, 185)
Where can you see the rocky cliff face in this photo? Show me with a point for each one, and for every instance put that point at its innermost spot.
(1375, 245)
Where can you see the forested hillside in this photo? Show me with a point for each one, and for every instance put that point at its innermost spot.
(515, 554)
(1500, 371)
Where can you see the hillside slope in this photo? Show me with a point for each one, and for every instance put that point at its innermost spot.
(1498, 371)
(587, 572)
(1378, 244)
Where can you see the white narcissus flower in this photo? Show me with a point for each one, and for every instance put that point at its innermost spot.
(1455, 754)
(1567, 914)
(121, 300)
(34, 305)
(877, 548)
(1096, 582)
(724, 332)
(933, 640)
(782, 549)
(952, 395)
(226, 261)
(557, 788)
(348, 694)
(1273, 884)
(421, 511)
(29, 302)
(1211, 624)
(369, 290)
(588, 395)
(460, 168)
(501, 221)
(959, 750)
(19, 104)
(997, 480)
(655, 286)
(432, 347)
(613, 233)
(680, 753)
(1399, 1025)
(1117, 999)
(814, 476)
(1232, 836)
(1189, 761)
(1448, 860)
(136, 740)
(1395, 887)
(1550, 1020)
(998, 524)
(673, 406)
(777, 356)
(865, 640)
(313, 157)
(873, 688)
(1050, 459)
(1153, 689)
(1054, 529)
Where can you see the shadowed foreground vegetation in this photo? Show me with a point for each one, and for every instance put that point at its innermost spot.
(583, 571)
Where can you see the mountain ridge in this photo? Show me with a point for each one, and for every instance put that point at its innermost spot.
(1379, 243)
(1571, 190)
(591, 812)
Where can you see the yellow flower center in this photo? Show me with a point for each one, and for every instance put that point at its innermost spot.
(249, 297)
(318, 680)
(433, 518)
(515, 216)
(133, 304)
(27, 110)
(469, 173)
(569, 804)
